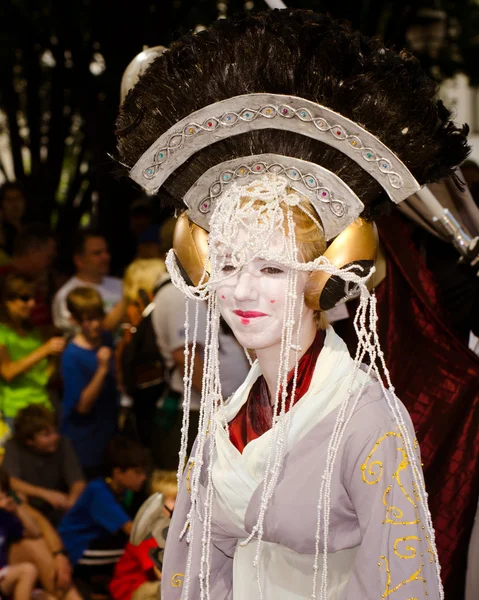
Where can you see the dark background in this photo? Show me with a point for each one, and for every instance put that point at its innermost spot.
(61, 64)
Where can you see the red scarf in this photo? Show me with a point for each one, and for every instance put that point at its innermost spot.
(256, 414)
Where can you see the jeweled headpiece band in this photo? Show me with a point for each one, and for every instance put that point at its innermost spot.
(250, 112)
(334, 201)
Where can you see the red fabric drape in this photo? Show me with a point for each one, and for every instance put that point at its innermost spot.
(256, 415)
(437, 378)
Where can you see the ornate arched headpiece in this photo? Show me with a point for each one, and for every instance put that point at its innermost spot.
(251, 112)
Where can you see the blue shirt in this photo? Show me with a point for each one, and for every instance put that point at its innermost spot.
(95, 513)
(90, 432)
(11, 530)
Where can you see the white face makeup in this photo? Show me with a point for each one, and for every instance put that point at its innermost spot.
(252, 302)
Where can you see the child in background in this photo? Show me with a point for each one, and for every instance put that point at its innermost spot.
(136, 576)
(95, 530)
(28, 538)
(42, 464)
(15, 580)
(90, 402)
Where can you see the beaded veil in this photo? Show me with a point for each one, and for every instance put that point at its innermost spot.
(239, 145)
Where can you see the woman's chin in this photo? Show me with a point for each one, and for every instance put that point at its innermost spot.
(256, 342)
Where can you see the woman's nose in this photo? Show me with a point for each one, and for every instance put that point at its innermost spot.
(246, 287)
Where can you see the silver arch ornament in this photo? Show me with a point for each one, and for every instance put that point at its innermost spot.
(250, 112)
(335, 202)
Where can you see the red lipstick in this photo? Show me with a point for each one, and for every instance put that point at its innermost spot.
(249, 314)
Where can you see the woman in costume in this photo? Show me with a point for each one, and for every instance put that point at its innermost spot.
(283, 135)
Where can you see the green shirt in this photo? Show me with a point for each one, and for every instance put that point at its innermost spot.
(31, 386)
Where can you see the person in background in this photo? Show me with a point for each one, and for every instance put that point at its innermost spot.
(33, 541)
(89, 415)
(24, 369)
(141, 216)
(95, 530)
(139, 286)
(33, 254)
(139, 220)
(42, 464)
(15, 580)
(18, 581)
(12, 211)
(141, 278)
(136, 576)
(92, 264)
(149, 244)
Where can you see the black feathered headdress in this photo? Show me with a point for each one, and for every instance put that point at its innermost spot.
(303, 54)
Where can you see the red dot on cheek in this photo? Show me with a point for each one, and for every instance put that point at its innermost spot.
(223, 297)
(272, 301)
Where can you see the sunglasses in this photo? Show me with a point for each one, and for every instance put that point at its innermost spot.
(25, 298)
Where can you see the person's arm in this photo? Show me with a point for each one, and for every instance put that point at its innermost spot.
(108, 512)
(127, 527)
(46, 529)
(394, 551)
(58, 500)
(178, 549)
(115, 316)
(9, 369)
(76, 490)
(63, 569)
(31, 528)
(179, 358)
(90, 393)
(72, 472)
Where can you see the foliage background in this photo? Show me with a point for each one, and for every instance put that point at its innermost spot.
(61, 65)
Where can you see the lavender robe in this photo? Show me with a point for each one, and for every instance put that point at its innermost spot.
(376, 521)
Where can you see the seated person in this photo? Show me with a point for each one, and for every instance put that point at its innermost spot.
(95, 530)
(16, 580)
(24, 368)
(136, 576)
(43, 464)
(33, 550)
(90, 402)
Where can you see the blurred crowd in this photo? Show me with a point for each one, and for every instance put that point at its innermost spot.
(91, 388)
(91, 384)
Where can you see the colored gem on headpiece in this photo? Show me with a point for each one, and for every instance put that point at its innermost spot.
(320, 186)
(249, 112)
(205, 206)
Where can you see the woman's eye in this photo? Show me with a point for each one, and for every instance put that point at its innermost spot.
(271, 270)
(227, 268)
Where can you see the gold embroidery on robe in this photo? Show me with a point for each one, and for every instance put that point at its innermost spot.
(372, 473)
(177, 580)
